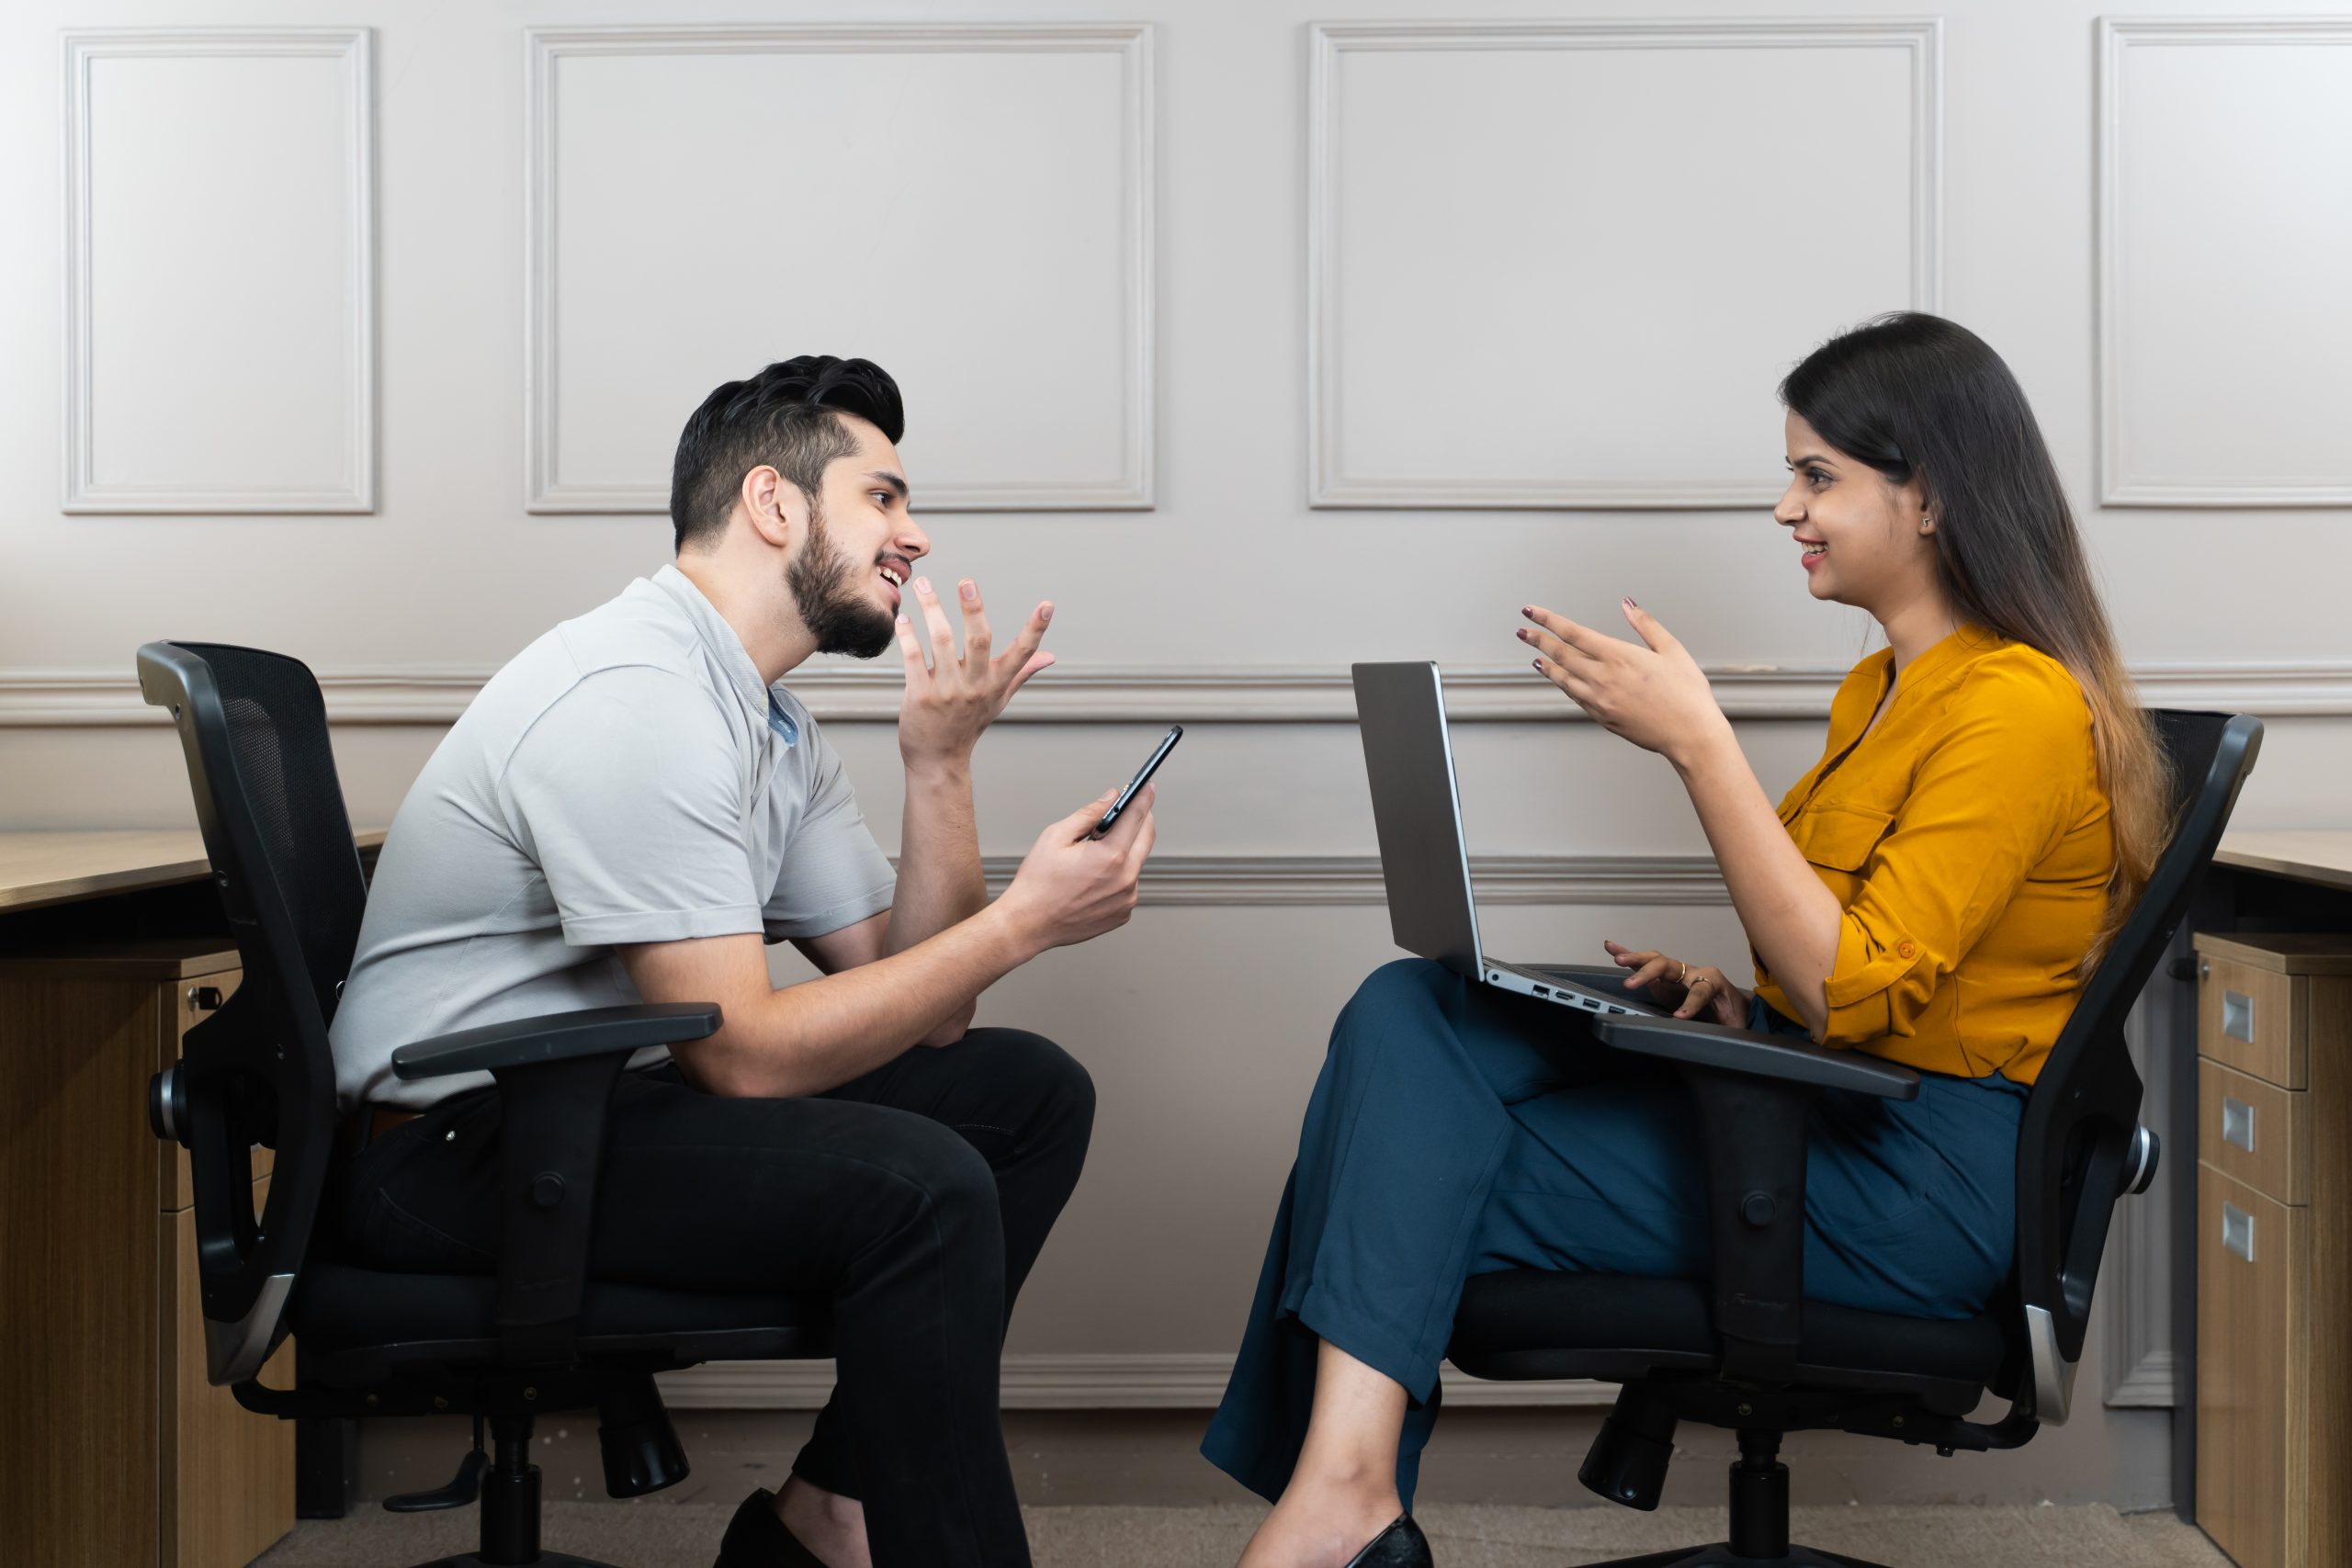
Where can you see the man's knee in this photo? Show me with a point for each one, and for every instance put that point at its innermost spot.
(1053, 1085)
(945, 1175)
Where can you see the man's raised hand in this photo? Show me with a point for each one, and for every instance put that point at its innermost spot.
(951, 699)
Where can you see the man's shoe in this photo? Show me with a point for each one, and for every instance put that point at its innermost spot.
(756, 1538)
(1401, 1545)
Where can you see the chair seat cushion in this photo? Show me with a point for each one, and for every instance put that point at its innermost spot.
(357, 1323)
(1553, 1323)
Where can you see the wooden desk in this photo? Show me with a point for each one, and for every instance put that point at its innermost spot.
(2262, 884)
(2322, 857)
(118, 1452)
(41, 869)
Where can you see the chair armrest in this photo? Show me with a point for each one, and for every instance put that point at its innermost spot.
(557, 1037)
(1781, 1057)
(555, 1077)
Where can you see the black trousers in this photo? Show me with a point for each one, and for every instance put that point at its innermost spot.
(915, 1198)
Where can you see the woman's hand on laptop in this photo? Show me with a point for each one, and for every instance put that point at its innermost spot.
(1652, 693)
(1705, 993)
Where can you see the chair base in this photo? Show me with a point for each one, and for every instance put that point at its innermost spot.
(1721, 1555)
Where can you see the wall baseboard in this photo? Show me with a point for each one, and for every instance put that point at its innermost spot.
(1173, 1382)
(1157, 694)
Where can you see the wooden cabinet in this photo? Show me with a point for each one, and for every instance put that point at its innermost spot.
(2274, 1249)
(118, 1451)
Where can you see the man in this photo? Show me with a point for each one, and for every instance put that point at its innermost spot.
(624, 813)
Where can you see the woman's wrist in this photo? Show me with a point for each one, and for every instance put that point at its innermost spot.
(1706, 749)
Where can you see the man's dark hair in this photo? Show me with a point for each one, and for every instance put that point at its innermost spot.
(787, 416)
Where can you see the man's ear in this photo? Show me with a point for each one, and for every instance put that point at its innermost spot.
(776, 507)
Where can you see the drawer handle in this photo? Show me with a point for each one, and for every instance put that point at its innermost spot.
(2238, 1231)
(2237, 1124)
(2237, 1016)
(204, 999)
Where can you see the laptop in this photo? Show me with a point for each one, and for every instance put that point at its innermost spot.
(1400, 710)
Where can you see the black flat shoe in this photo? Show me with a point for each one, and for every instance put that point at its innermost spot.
(1401, 1545)
(756, 1538)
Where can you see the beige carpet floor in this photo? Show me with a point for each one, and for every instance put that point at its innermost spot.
(657, 1535)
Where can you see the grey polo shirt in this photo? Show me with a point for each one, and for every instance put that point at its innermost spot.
(626, 779)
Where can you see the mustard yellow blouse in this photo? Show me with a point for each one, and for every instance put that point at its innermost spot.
(1968, 841)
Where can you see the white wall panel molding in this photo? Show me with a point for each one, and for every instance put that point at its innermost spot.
(279, 216)
(1161, 1381)
(1225, 882)
(1159, 694)
(1514, 342)
(2224, 239)
(2135, 1296)
(1071, 360)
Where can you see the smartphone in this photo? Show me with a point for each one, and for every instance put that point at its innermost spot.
(1143, 775)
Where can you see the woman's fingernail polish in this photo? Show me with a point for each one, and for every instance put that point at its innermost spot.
(922, 585)
(969, 589)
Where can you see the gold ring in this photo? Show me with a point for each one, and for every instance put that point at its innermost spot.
(1701, 980)
(1683, 979)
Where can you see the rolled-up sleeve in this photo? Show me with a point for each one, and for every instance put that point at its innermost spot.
(1978, 817)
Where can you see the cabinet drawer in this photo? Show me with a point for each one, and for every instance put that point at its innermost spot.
(226, 1475)
(2256, 1020)
(2252, 1255)
(2254, 1131)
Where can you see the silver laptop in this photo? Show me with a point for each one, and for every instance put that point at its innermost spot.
(1400, 710)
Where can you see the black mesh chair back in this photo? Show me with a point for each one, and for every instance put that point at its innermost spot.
(253, 730)
(2081, 1146)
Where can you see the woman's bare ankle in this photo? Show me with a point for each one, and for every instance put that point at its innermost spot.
(831, 1526)
(1324, 1520)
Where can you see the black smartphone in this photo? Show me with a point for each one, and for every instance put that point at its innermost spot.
(1143, 776)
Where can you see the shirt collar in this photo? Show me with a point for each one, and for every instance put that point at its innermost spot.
(720, 638)
(1949, 657)
(1859, 693)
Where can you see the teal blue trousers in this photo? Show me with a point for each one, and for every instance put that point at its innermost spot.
(1457, 1130)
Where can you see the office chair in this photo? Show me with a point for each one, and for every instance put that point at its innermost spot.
(1746, 1350)
(537, 1339)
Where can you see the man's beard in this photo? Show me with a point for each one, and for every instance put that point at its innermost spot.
(842, 620)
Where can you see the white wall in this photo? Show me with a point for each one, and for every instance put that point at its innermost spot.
(1259, 347)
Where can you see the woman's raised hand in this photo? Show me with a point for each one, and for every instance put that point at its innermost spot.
(1706, 994)
(1652, 693)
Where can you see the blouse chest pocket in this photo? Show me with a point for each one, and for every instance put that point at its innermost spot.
(1839, 837)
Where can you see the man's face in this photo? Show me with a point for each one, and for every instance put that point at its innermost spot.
(858, 549)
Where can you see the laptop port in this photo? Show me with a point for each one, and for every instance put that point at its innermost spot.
(1543, 990)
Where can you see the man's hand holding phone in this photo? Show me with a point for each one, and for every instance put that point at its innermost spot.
(1072, 886)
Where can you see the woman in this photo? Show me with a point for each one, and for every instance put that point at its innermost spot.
(1934, 891)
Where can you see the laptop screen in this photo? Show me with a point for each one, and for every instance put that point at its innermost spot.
(1424, 860)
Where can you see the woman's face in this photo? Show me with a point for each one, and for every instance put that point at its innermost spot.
(1859, 533)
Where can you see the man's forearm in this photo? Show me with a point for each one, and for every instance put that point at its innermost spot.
(940, 882)
(808, 1038)
(1791, 919)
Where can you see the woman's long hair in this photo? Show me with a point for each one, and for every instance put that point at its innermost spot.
(1918, 397)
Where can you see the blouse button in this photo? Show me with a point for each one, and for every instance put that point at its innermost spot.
(1906, 948)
